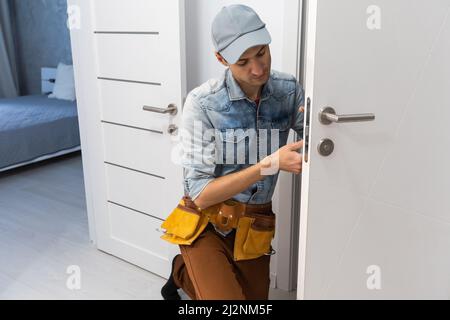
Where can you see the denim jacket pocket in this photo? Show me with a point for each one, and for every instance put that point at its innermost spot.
(232, 146)
(282, 124)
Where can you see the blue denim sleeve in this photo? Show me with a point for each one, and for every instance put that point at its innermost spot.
(198, 157)
(299, 116)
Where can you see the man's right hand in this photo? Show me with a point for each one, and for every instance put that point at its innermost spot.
(222, 188)
(288, 158)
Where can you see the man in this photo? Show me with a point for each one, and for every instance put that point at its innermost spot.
(250, 108)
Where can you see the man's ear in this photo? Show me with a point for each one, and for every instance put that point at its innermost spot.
(221, 59)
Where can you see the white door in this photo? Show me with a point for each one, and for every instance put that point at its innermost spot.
(130, 72)
(375, 216)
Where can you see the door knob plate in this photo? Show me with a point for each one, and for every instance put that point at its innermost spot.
(325, 147)
(172, 130)
(323, 115)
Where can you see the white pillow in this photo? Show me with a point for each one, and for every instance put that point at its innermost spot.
(64, 83)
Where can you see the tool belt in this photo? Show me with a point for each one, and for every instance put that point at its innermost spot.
(254, 224)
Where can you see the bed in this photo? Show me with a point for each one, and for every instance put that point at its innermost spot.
(34, 128)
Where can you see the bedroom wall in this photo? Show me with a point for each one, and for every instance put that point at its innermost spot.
(42, 39)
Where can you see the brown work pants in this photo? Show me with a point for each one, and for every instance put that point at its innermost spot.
(206, 270)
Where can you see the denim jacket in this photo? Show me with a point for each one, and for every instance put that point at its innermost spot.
(224, 132)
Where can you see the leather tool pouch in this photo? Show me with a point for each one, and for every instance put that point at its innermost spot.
(184, 224)
(228, 215)
(254, 236)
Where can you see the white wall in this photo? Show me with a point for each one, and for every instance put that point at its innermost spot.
(281, 21)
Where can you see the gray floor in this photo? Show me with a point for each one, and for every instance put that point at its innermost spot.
(44, 233)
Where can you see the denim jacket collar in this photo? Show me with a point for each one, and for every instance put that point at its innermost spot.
(235, 92)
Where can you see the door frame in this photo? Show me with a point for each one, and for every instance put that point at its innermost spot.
(83, 49)
(308, 58)
(288, 188)
(287, 203)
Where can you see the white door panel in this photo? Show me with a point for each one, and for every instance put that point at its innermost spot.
(406, 247)
(132, 15)
(334, 229)
(146, 52)
(140, 149)
(425, 123)
(142, 192)
(139, 55)
(384, 67)
(123, 104)
(137, 239)
(380, 198)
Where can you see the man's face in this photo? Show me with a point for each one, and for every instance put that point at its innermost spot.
(253, 67)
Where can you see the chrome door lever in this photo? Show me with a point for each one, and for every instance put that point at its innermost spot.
(328, 115)
(171, 109)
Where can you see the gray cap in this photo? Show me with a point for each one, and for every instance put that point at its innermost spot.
(237, 28)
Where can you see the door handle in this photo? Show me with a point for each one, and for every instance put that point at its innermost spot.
(171, 109)
(328, 115)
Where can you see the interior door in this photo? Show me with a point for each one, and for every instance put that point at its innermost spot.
(138, 84)
(375, 216)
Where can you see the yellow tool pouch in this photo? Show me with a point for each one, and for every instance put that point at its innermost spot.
(254, 231)
(185, 224)
(254, 235)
